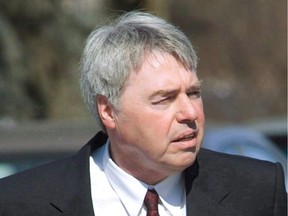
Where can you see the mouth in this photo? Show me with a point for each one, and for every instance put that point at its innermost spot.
(186, 136)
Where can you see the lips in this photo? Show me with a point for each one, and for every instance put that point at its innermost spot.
(186, 136)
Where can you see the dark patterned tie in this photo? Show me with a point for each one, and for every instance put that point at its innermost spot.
(151, 202)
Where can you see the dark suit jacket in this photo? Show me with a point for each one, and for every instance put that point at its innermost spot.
(217, 184)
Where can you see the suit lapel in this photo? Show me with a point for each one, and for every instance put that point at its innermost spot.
(200, 203)
(74, 197)
(204, 193)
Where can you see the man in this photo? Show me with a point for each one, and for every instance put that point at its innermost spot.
(139, 80)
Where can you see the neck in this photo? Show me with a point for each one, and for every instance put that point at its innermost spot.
(134, 166)
(142, 173)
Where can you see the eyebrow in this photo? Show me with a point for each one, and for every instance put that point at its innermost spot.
(164, 93)
(195, 86)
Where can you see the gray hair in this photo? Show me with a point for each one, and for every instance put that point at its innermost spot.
(113, 51)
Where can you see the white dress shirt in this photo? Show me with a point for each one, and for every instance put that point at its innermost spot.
(115, 192)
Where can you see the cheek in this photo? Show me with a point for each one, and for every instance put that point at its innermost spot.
(142, 122)
(153, 130)
(160, 123)
(200, 111)
(201, 117)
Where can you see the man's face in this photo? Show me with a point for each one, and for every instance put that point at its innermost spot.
(160, 123)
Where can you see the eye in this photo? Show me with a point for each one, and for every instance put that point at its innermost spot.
(164, 100)
(194, 94)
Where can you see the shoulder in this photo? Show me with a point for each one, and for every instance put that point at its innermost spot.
(239, 168)
(45, 180)
(240, 173)
(49, 188)
(250, 180)
(218, 158)
(35, 180)
(240, 183)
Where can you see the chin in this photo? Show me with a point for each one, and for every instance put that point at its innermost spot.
(186, 161)
(191, 157)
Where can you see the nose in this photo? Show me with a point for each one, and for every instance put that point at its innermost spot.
(186, 110)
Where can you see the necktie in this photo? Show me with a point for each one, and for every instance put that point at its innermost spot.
(151, 202)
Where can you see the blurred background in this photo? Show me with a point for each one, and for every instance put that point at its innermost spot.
(242, 46)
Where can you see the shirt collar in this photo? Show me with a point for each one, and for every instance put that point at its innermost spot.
(172, 193)
(131, 191)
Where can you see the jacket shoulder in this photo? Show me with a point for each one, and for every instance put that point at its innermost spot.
(33, 180)
(242, 185)
(238, 169)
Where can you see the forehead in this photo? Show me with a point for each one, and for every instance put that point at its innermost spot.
(162, 69)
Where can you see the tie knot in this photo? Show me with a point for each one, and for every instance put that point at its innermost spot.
(151, 202)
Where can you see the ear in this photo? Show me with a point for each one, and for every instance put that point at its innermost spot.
(105, 111)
